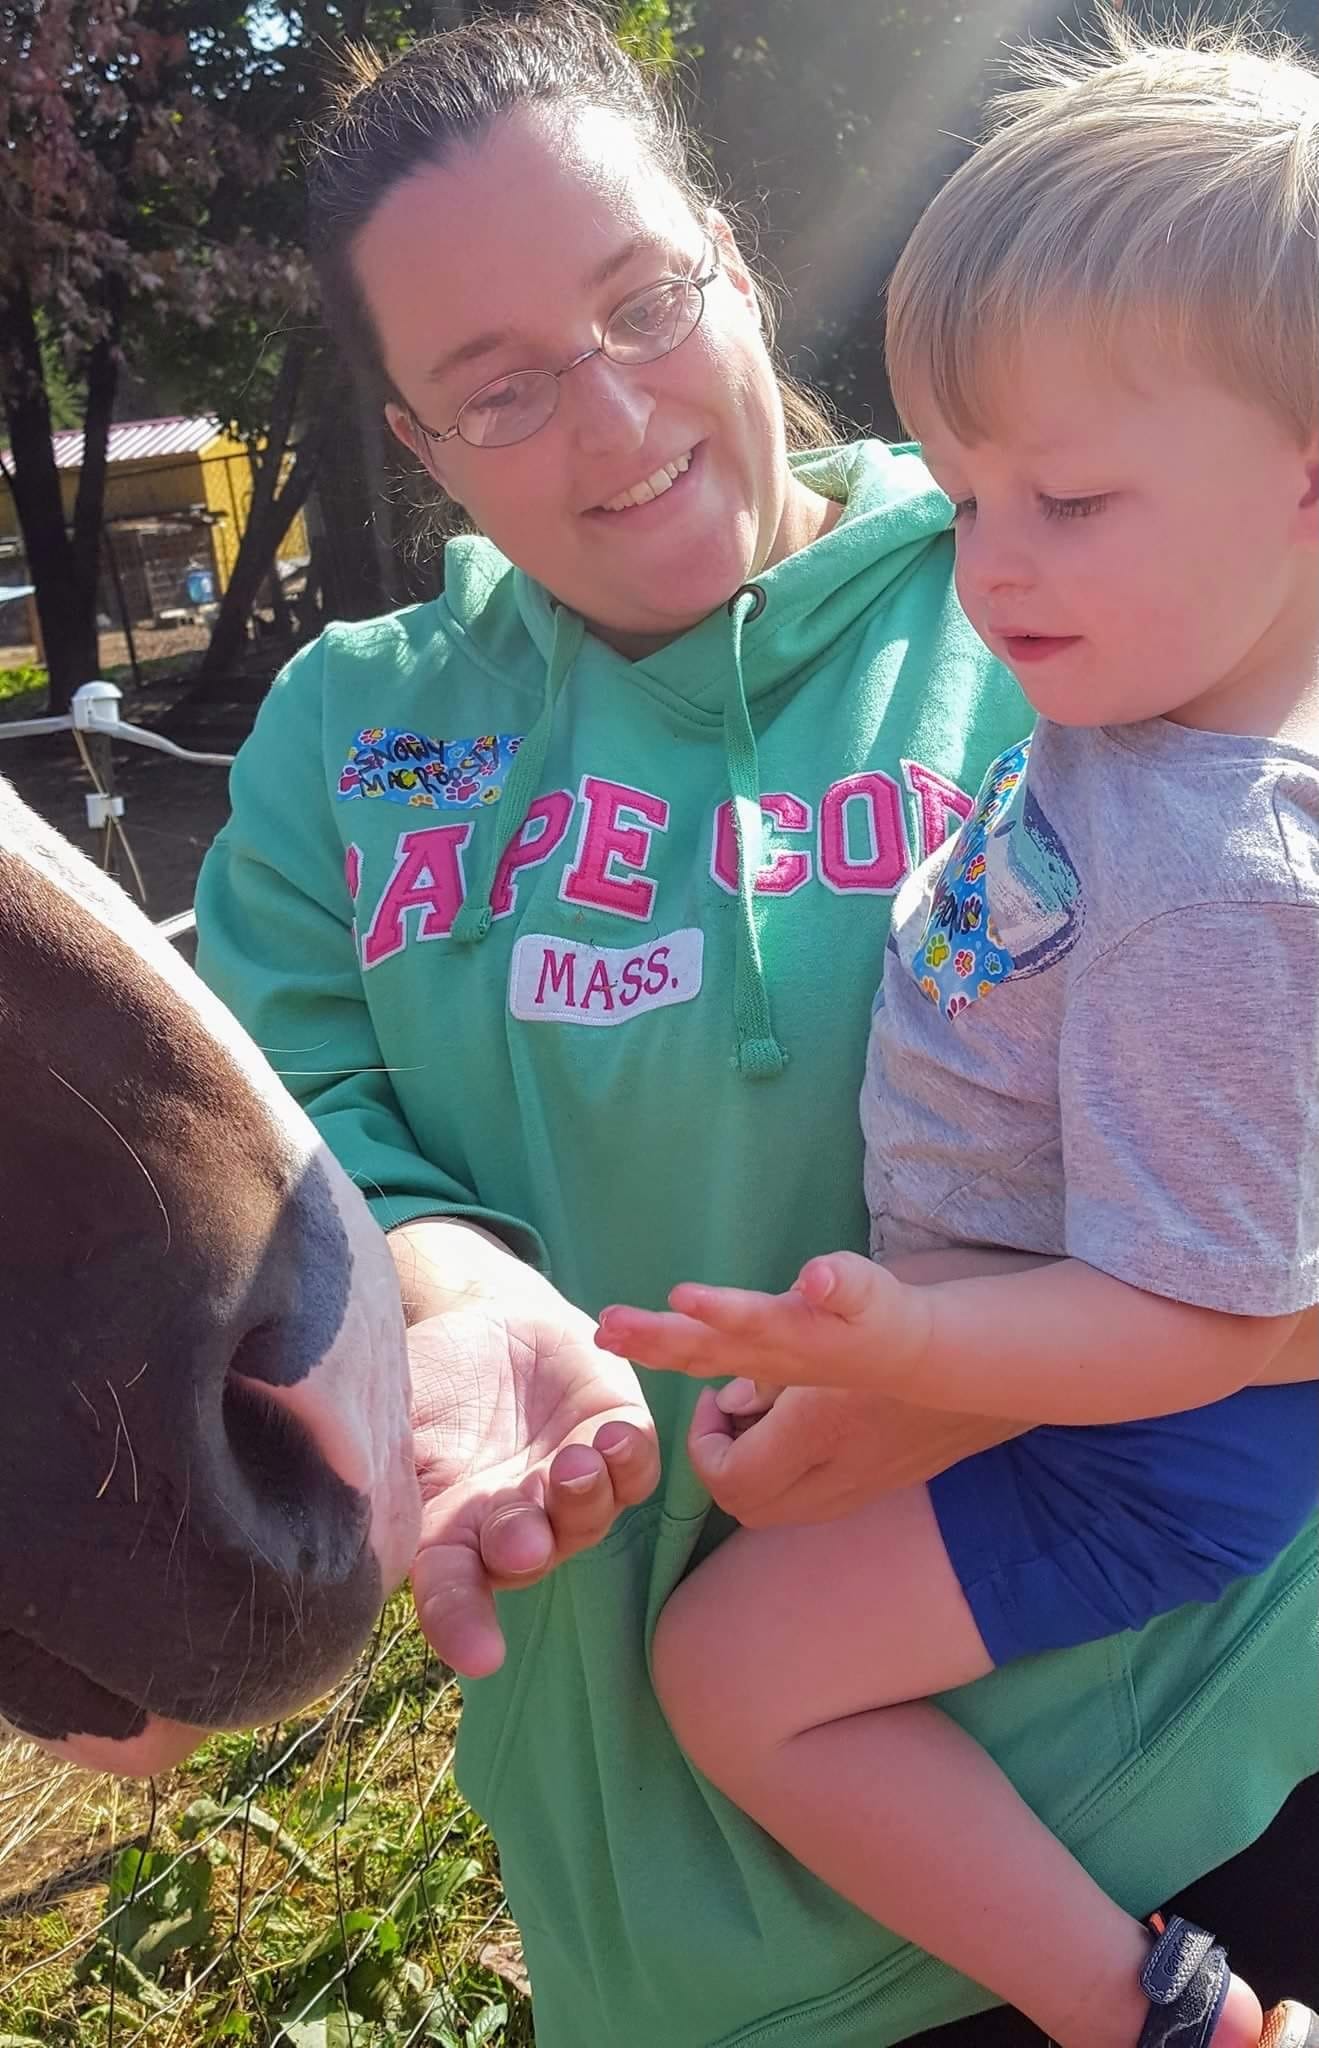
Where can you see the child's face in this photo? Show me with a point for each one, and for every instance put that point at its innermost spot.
(1137, 545)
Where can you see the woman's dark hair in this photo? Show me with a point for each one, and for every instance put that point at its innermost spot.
(393, 116)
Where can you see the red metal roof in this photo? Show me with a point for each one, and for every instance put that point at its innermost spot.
(135, 440)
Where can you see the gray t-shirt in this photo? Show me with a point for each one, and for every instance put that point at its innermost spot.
(1098, 1034)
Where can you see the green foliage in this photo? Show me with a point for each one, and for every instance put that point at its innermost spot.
(836, 125)
(646, 31)
(312, 1887)
(21, 681)
(158, 1905)
(62, 391)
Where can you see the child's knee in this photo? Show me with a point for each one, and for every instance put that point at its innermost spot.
(680, 1662)
(695, 1689)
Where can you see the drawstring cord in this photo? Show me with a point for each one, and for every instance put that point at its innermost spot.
(758, 1052)
(475, 917)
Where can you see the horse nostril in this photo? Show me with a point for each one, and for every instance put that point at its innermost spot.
(310, 1522)
(257, 1354)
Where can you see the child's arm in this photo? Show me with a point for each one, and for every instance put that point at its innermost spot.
(1295, 1360)
(1054, 1341)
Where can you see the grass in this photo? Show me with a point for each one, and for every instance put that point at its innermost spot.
(27, 680)
(21, 682)
(320, 1885)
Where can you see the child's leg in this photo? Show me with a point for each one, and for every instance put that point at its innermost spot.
(794, 1666)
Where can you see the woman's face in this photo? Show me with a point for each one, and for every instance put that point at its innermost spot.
(511, 256)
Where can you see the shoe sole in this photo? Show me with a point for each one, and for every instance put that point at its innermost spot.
(1290, 2026)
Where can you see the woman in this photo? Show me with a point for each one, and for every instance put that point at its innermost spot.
(487, 890)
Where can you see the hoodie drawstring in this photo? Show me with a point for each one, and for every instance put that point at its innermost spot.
(475, 916)
(758, 1053)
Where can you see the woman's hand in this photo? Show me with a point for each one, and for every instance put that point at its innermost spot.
(529, 1441)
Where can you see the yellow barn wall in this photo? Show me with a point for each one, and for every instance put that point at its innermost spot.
(227, 481)
(219, 477)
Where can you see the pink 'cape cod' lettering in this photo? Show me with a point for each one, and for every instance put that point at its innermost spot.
(889, 859)
(535, 840)
(427, 877)
(785, 872)
(943, 805)
(591, 879)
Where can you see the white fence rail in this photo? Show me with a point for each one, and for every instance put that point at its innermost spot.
(94, 714)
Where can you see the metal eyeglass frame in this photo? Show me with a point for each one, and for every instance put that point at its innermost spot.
(439, 435)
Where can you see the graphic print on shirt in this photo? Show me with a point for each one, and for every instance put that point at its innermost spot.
(861, 836)
(1009, 899)
(404, 767)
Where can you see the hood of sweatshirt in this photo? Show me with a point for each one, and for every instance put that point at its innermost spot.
(768, 637)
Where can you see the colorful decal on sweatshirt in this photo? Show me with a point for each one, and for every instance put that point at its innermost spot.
(1008, 901)
(406, 767)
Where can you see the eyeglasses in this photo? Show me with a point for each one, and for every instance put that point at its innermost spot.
(651, 324)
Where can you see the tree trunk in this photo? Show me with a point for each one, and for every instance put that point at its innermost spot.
(89, 505)
(254, 561)
(67, 611)
(353, 584)
(269, 516)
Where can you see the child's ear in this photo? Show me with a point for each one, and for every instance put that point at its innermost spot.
(1310, 500)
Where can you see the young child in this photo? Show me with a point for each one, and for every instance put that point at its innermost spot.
(1097, 1043)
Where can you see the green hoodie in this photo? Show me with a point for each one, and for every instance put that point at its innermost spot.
(487, 870)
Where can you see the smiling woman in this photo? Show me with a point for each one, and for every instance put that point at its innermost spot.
(578, 878)
(703, 400)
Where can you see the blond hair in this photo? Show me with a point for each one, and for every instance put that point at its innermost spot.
(1139, 191)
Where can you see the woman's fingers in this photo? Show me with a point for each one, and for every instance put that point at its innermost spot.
(456, 1608)
(517, 1542)
(633, 1461)
(589, 1485)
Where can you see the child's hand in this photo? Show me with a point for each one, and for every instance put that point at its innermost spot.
(847, 1322)
(745, 1401)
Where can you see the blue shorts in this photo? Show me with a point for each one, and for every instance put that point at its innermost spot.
(1065, 1535)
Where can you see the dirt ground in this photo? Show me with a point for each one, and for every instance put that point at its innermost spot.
(172, 809)
(152, 644)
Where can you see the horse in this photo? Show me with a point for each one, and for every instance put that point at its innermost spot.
(209, 1486)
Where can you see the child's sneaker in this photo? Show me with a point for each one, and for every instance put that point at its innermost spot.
(1290, 2026)
(1186, 1981)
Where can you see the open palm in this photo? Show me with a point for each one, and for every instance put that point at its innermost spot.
(529, 1442)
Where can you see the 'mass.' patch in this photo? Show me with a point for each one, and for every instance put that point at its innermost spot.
(564, 981)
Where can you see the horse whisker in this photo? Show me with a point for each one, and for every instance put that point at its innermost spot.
(127, 1438)
(169, 1228)
(114, 1464)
